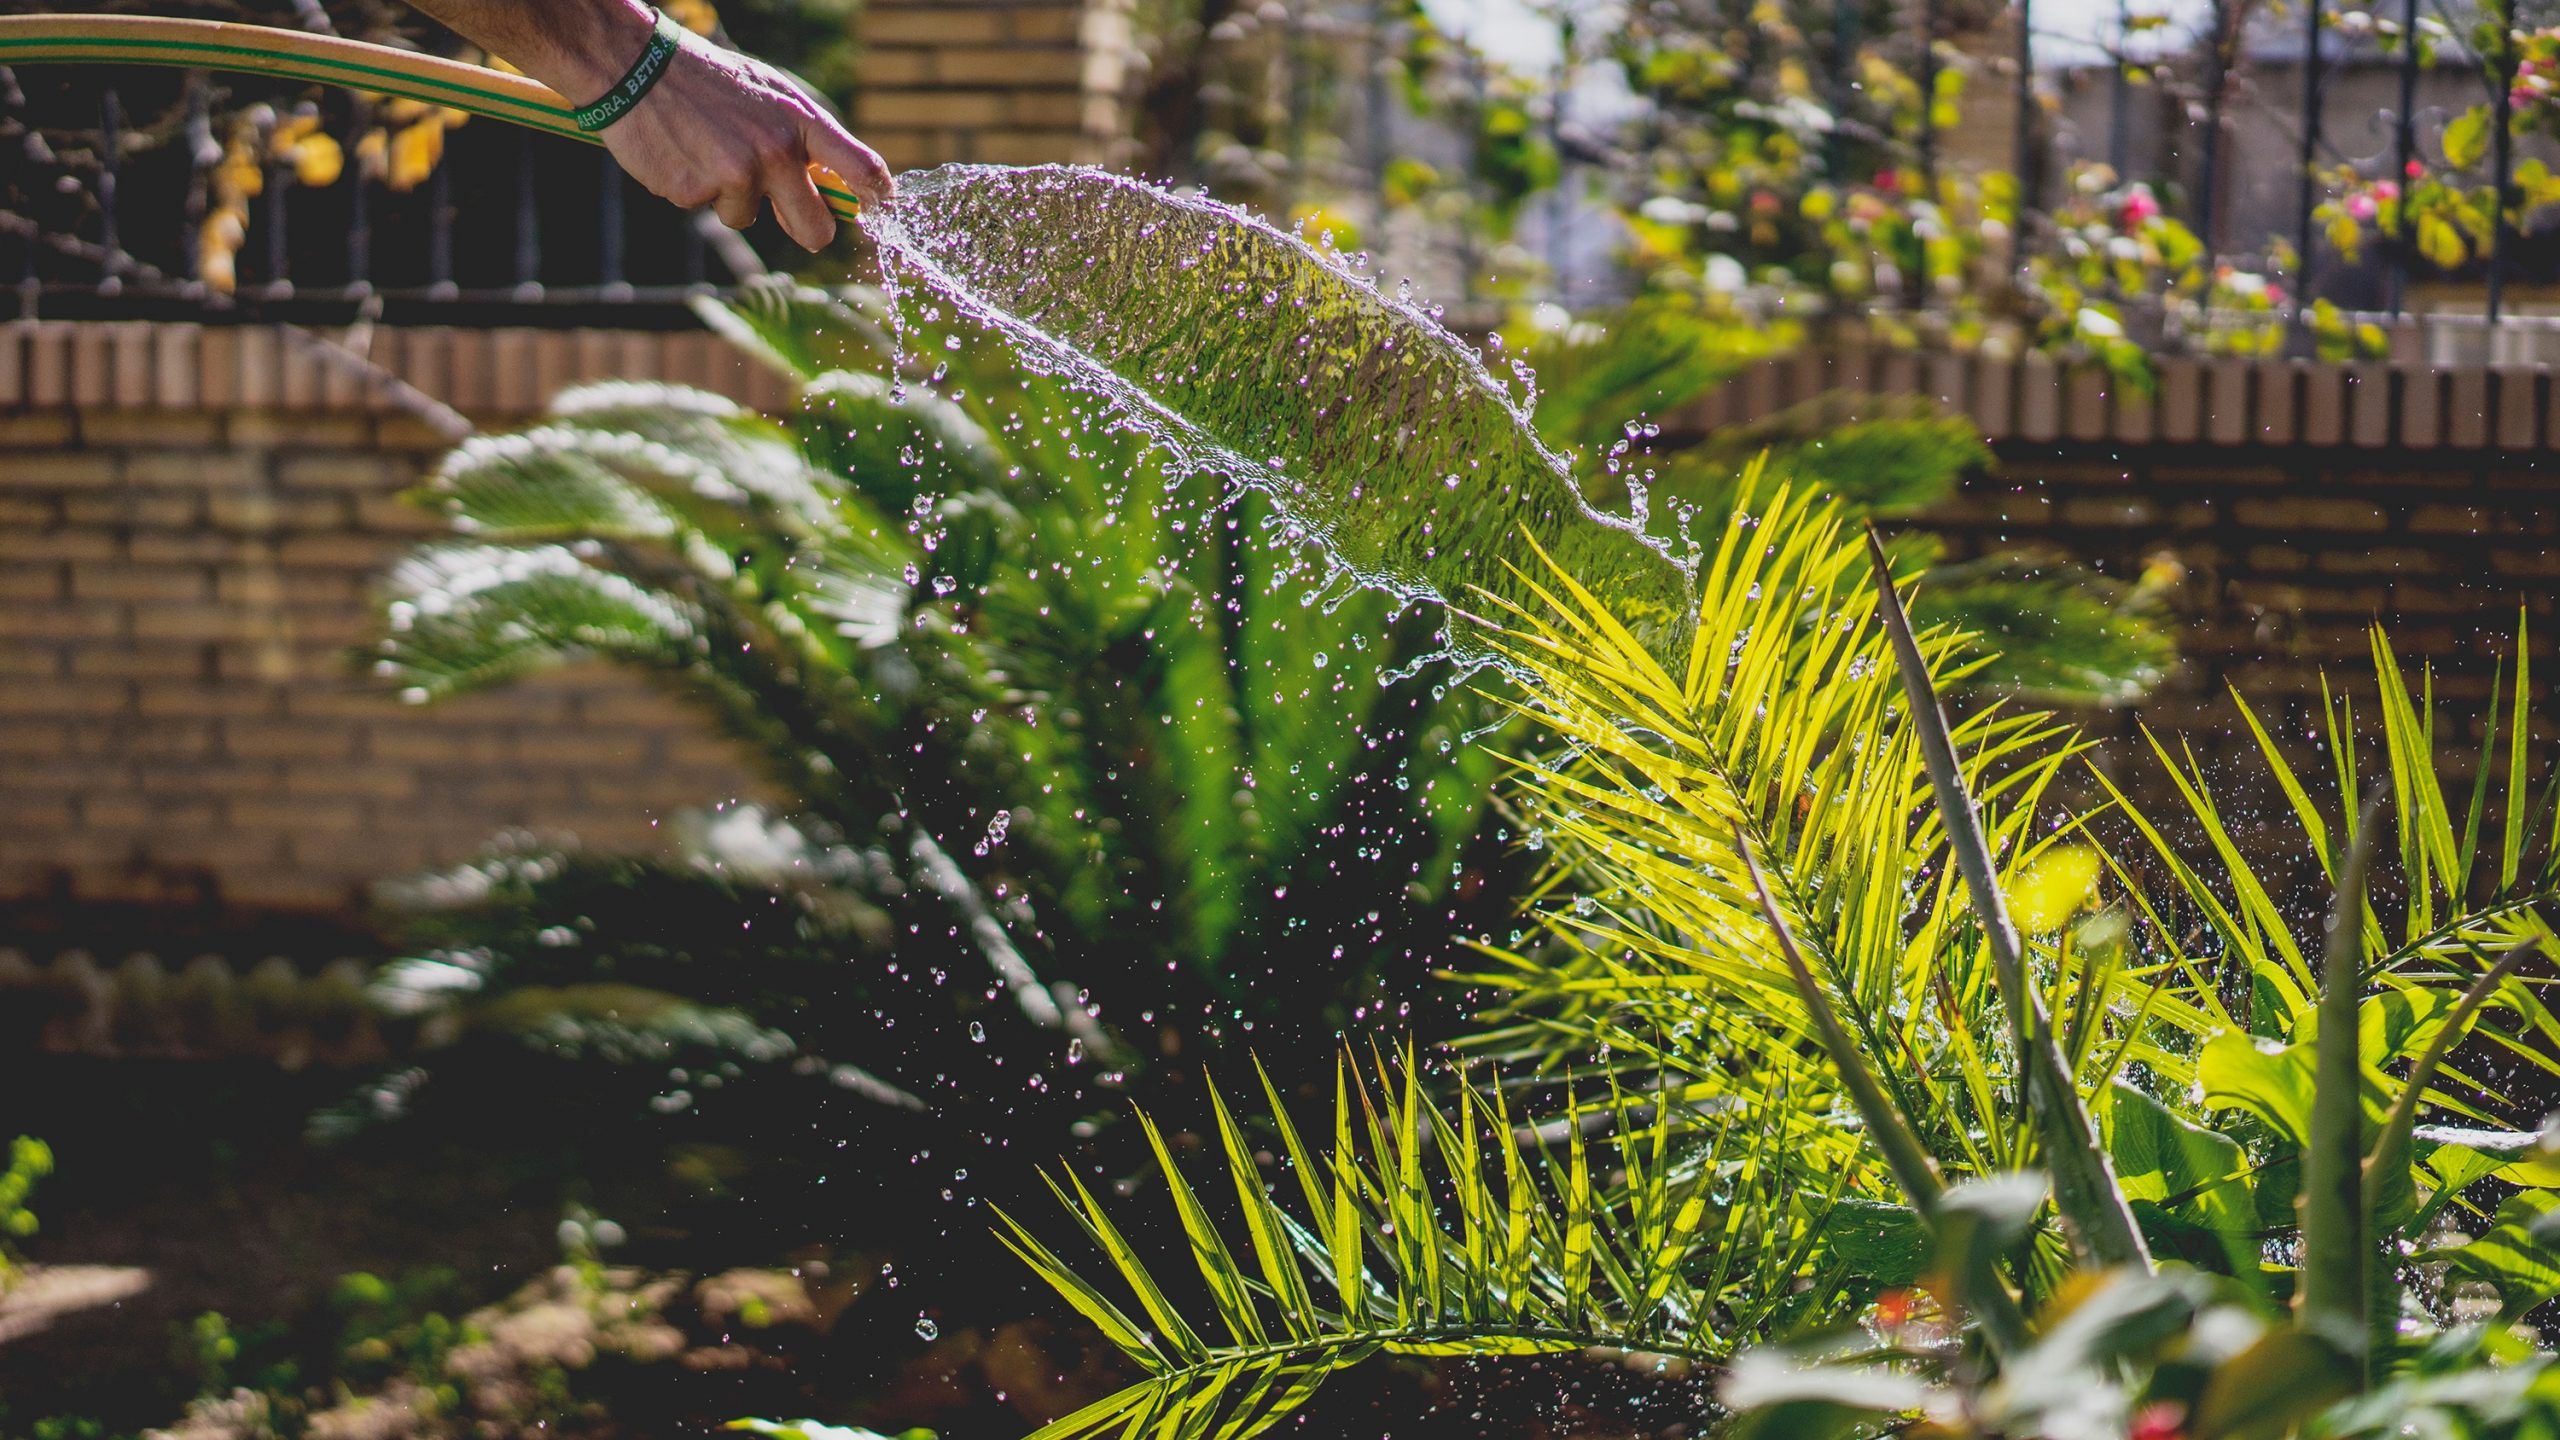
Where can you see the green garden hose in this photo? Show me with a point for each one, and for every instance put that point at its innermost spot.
(316, 59)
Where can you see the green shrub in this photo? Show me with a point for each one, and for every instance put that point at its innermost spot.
(30, 1160)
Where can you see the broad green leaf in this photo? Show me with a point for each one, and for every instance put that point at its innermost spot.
(2112, 1323)
(2285, 1377)
(2466, 138)
(2269, 1081)
(2511, 1255)
(2179, 1167)
(1886, 1245)
(1244, 350)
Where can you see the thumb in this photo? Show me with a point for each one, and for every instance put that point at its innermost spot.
(857, 165)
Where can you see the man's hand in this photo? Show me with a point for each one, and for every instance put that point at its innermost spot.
(729, 131)
(719, 128)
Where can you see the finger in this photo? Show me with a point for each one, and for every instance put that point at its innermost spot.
(804, 216)
(857, 164)
(736, 207)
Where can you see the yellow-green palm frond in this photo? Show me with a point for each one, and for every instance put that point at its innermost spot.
(2470, 872)
(1440, 1228)
(1784, 725)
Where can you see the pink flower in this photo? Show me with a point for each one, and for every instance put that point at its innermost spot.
(2140, 206)
(2386, 190)
(2416, 169)
(2361, 206)
(2160, 1420)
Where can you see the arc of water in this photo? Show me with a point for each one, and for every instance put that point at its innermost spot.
(315, 59)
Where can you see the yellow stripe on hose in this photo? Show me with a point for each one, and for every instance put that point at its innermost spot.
(315, 59)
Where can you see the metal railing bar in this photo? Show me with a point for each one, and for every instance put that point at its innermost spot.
(2022, 139)
(440, 230)
(2502, 157)
(1929, 96)
(2404, 154)
(360, 217)
(110, 167)
(528, 258)
(2308, 153)
(279, 249)
(609, 220)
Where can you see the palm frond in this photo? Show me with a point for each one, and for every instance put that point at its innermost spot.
(1434, 1228)
(2084, 1184)
(1785, 725)
(465, 617)
(801, 330)
(1096, 731)
(2466, 881)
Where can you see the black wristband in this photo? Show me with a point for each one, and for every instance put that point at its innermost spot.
(666, 37)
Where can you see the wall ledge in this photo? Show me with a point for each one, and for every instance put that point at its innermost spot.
(496, 374)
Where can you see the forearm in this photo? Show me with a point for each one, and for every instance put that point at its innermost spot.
(715, 128)
(568, 45)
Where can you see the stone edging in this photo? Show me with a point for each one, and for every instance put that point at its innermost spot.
(496, 374)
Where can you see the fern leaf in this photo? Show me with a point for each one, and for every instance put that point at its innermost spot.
(1422, 1256)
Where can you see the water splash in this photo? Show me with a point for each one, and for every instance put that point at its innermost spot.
(1244, 351)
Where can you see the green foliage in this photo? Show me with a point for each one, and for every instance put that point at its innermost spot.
(2056, 632)
(579, 1349)
(2473, 875)
(1782, 895)
(1278, 369)
(1036, 710)
(1435, 1229)
(30, 1160)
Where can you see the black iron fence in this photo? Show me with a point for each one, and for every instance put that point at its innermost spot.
(2251, 123)
(181, 194)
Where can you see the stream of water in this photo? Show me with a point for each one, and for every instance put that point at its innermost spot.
(1242, 350)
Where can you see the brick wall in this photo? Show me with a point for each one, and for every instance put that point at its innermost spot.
(190, 521)
(1014, 82)
(2291, 553)
(2305, 501)
(184, 574)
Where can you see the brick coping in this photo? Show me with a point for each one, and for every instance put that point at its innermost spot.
(2228, 402)
(511, 373)
(499, 373)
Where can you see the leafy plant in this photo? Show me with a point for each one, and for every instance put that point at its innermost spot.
(2054, 631)
(2175, 1354)
(1808, 910)
(30, 1160)
(1432, 1229)
(1037, 715)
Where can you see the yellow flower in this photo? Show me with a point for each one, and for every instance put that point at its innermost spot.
(218, 245)
(318, 160)
(2054, 887)
(415, 149)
